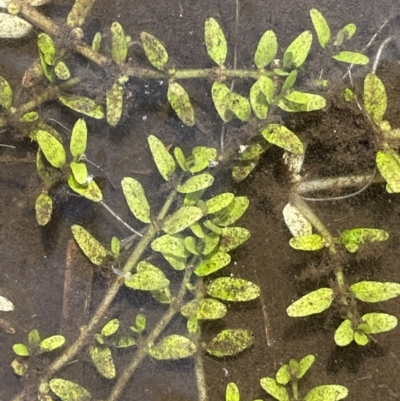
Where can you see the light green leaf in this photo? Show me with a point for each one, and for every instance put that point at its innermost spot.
(68, 391)
(321, 27)
(103, 361)
(21, 349)
(175, 261)
(180, 102)
(115, 246)
(80, 173)
(147, 278)
(204, 309)
(52, 343)
(221, 97)
(217, 47)
(196, 183)
(232, 392)
(200, 159)
(289, 81)
(119, 46)
(89, 191)
(125, 342)
(219, 202)
(62, 71)
(283, 375)
(13, 27)
(51, 147)
(311, 303)
(110, 328)
(380, 322)
(240, 106)
(46, 48)
(191, 245)
(258, 101)
(83, 105)
(373, 291)
(170, 244)
(304, 365)
(356, 236)
(389, 166)
(114, 103)
(351, 57)
(136, 199)
(212, 227)
(345, 34)
(5, 94)
(241, 171)
(164, 161)
(173, 347)
(361, 338)
(78, 139)
(375, 98)
(89, 245)
(96, 43)
(232, 237)
(155, 50)
(311, 242)
(295, 102)
(197, 230)
(344, 334)
(181, 219)
(180, 158)
(233, 289)
(34, 338)
(231, 213)
(299, 49)
(267, 49)
(275, 389)
(210, 265)
(280, 136)
(230, 342)
(27, 117)
(141, 322)
(209, 243)
(43, 208)
(329, 392)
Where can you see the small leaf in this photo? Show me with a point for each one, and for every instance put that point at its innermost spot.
(96, 43)
(275, 389)
(311, 303)
(283, 375)
(389, 166)
(221, 97)
(5, 304)
(103, 361)
(289, 81)
(267, 49)
(209, 243)
(180, 158)
(78, 139)
(119, 47)
(351, 57)
(210, 265)
(375, 98)
(51, 148)
(361, 338)
(295, 102)
(21, 349)
(136, 199)
(155, 51)
(80, 173)
(83, 105)
(191, 245)
(43, 208)
(231, 213)
(204, 309)
(311, 242)
(89, 191)
(373, 291)
(217, 47)
(141, 322)
(68, 391)
(197, 230)
(62, 71)
(344, 334)
(321, 27)
(232, 237)
(125, 342)
(196, 183)
(175, 261)
(304, 365)
(170, 244)
(280, 136)
(19, 368)
(13, 27)
(89, 245)
(173, 347)
(240, 106)
(258, 101)
(5, 91)
(147, 278)
(180, 102)
(219, 202)
(233, 289)
(299, 49)
(345, 33)
(46, 48)
(380, 322)
(232, 392)
(296, 221)
(110, 328)
(201, 158)
(181, 219)
(329, 392)
(230, 342)
(164, 161)
(114, 103)
(52, 343)
(28, 117)
(356, 236)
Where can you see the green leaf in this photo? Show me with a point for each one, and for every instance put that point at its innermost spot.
(388, 164)
(155, 50)
(80, 173)
(46, 48)
(232, 237)
(114, 103)
(89, 191)
(141, 322)
(280, 136)
(175, 261)
(219, 202)
(119, 46)
(373, 291)
(295, 102)
(321, 27)
(173, 347)
(209, 243)
(283, 375)
(5, 94)
(380, 322)
(232, 392)
(43, 208)
(78, 139)
(191, 245)
(136, 199)
(110, 328)
(28, 117)
(375, 98)
(170, 244)
(289, 81)
(52, 343)
(231, 213)
(299, 49)
(311, 303)
(68, 391)
(212, 227)
(275, 389)
(230, 342)
(356, 236)
(62, 71)
(196, 183)
(180, 158)
(329, 392)
(351, 57)
(311, 242)
(147, 278)
(217, 47)
(89, 245)
(267, 49)
(180, 102)
(345, 34)
(200, 159)
(21, 349)
(34, 338)
(52, 148)
(361, 338)
(344, 334)
(210, 265)
(96, 43)
(259, 101)
(240, 172)
(221, 97)
(125, 342)
(233, 289)
(197, 230)
(181, 219)
(103, 361)
(83, 105)
(204, 309)
(304, 365)
(164, 161)
(240, 106)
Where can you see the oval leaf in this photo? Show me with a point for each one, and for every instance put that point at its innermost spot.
(375, 98)
(68, 391)
(219, 202)
(296, 221)
(164, 161)
(232, 237)
(231, 213)
(217, 47)
(312, 242)
(275, 389)
(181, 219)
(232, 392)
(230, 342)
(280, 136)
(103, 361)
(380, 322)
(267, 49)
(351, 57)
(110, 328)
(356, 236)
(52, 343)
(329, 392)
(114, 103)
(21, 349)
(136, 199)
(62, 71)
(149, 279)
(52, 148)
(119, 46)
(344, 334)
(83, 105)
(5, 92)
(201, 158)
(78, 139)
(180, 102)
(233, 289)
(173, 347)
(299, 49)
(170, 244)
(321, 27)
(216, 262)
(89, 191)
(312, 303)
(43, 208)
(373, 291)
(296, 101)
(304, 365)
(204, 309)
(80, 173)
(155, 51)
(196, 183)
(221, 97)
(389, 166)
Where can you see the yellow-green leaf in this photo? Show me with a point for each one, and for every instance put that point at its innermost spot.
(103, 361)
(374, 291)
(231, 213)
(155, 50)
(321, 27)
(299, 49)
(196, 183)
(147, 278)
(78, 139)
(180, 102)
(136, 199)
(351, 58)
(110, 328)
(233, 289)
(204, 309)
(210, 265)
(219, 202)
(80, 173)
(230, 342)
(62, 71)
(181, 219)
(221, 97)
(375, 98)
(344, 334)
(51, 148)
(68, 391)
(240, 106)
(311, 242)
(300, 101)
(200, 159)
(83, 105)
(356, 236)
(5, 94)
(267, 49)
(232, 237)
(44, 208)
(52, 343)
(29, 117)
(114, 103)
(170, 244)
(380, 322)
(217, 47)
(389, 167)
(46, 48)
(164, 161)
(173, 347)
(21, 349)
(119, 47)
(311, 303)
(281, 136)
(89, 191)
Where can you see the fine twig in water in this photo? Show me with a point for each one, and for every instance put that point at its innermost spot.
(379, 53)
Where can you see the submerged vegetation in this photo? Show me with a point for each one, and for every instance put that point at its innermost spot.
(195, 229)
